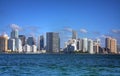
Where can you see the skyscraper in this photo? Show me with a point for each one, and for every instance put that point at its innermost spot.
(74, 44)
(74, 34)
(27, 48)
(85, 45)
(107, 43)
(34, 48)
(118, 48)
(96, 46)
(31, 41)
(79, 44)
(11, 44)
(90, 46)
(71, 46)
(3, 43)
(52, 42)
(41, 42)
(14, 33)
(98, 41)
(111, 45)
(18, 45)
(22, 38)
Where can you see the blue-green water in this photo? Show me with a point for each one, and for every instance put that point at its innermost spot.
(59, 65)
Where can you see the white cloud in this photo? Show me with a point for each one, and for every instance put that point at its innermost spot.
(14, 26)
(83, 31)
(96, 33)
(117, 31)
(68, 29)
(104, 36)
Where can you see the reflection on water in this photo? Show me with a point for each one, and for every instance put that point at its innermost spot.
(59, 64)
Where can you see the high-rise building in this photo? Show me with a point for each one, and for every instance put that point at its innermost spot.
(3, 43)
(22, 38)
(79, 44)
(71, 45)
(18, 45)
(27, 48)
(65, 44)
(41, 42)
(118, 48)
(52, 42)
(107, 43)
(14, 33)
(85, 45)
(90, 46)
(31, 41)
(96, 46)
(70, 48)
(34, 48)
(74, 44)
(111, 45)
(98, 41)
(74, 34)
(11, 44)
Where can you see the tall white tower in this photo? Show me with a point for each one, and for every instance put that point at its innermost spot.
(90, 46)
(85, 45)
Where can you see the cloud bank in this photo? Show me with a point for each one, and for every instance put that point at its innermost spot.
(105, 36)
(68, 29)
(116, 31)
(14, 26)
(83, 31)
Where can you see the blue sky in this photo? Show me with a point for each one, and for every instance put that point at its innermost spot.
(90, 18)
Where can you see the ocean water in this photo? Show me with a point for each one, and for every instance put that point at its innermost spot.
(59, 65)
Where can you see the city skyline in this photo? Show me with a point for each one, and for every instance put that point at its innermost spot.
(90, 18)
(70, 32)
(59, 37)
(17, 43)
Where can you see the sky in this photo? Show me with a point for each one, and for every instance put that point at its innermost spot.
(90, 18)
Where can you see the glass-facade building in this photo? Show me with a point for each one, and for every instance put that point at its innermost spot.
(41, 44)
(52, 42)
(31, 41)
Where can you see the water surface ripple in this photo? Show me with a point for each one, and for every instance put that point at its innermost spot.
(59, 65)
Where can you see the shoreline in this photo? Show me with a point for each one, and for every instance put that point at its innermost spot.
(55, 53)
